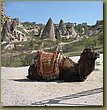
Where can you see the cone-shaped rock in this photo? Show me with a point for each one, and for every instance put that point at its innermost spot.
(61, 25)
(48, 31)
(61, 29)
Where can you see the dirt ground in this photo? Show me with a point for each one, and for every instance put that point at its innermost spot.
(17, 90)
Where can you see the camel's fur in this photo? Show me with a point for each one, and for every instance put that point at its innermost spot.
(69, 70)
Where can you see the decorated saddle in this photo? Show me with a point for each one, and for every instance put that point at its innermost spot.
(47, 65)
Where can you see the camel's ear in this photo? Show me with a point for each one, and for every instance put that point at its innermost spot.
(84, 51)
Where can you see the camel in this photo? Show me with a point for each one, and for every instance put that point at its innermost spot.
(70, 71)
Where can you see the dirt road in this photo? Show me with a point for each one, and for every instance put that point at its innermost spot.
(17, 90)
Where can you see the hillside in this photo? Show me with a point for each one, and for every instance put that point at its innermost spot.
(21, 40)
(20, 52)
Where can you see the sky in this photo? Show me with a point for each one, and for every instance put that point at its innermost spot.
(70, 11)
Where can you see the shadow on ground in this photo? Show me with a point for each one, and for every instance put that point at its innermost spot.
(28, 80)
(58, 100)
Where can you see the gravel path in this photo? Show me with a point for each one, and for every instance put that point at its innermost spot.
(17, 90)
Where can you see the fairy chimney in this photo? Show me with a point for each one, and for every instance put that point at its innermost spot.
(61, 24)
(62, 28)
(48, 31)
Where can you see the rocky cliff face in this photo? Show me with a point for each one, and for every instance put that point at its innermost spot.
(48, 31)
(9, 32)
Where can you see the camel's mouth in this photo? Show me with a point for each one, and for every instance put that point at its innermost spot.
(93, 55)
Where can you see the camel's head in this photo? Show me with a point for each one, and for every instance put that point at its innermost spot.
(90, 54)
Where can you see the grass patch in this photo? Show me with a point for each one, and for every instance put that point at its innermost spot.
(70, 54)
(96, 42)
(17, 61)
(69, 49)
(21, 30)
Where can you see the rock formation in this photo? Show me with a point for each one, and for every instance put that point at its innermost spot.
(65, 30)
(74, 33)
(48, 31)
(62, 27)
(2, 12)
(5, 31)
(71, 31)
(12, 30)
(61, 30)
(9, 32)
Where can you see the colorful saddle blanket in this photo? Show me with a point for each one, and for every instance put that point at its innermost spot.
(47, 65)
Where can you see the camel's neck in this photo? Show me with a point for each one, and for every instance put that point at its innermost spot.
(86, 67)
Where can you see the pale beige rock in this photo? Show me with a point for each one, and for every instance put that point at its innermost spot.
(48, 31)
